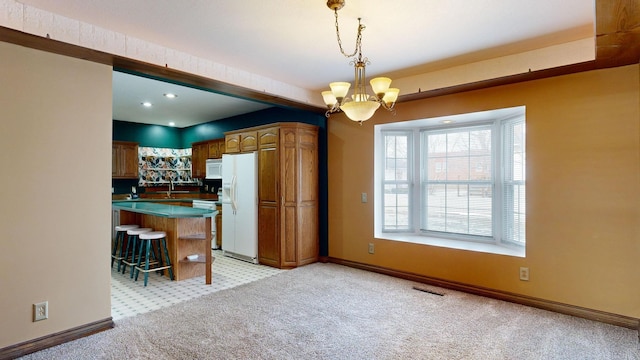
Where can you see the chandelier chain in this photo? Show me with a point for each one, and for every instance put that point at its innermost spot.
(358, 38)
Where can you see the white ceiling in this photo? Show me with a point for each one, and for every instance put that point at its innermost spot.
(294, 41)
(190, 107)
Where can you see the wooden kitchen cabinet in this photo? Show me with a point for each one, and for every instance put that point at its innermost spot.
(216, 148)
(244, 141)
(124, 160)
(232, 143)
(199, 156)
(288, 230)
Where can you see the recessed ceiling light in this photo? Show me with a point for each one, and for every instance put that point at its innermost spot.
(447, 121)
(172, 124)
(170, 96)
(146, 104)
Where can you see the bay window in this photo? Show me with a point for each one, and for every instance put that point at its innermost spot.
(460, 178)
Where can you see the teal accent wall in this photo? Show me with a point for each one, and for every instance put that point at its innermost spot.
(176, 138)
(216, 129)
(182, 138)
(148, 135)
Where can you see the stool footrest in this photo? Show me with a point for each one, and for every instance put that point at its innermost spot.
(135, 263)
(130, 262)
(152, 269)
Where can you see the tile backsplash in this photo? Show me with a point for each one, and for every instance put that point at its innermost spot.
(159, 166)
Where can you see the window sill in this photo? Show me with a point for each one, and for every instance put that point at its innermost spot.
(455, 244)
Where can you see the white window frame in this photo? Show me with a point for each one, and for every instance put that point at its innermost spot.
(490, 182)
(495, 244)
(508, 175)
(409, 182)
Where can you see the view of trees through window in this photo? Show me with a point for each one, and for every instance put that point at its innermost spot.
(458, 185)
(396, 181)
(466, 181)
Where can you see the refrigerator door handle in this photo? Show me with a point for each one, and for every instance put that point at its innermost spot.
(234, 194)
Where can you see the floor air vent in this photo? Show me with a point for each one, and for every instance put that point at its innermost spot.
(428, 291)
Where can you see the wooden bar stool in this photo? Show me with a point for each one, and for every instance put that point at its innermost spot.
(118, 243)
(130, 255)
(146, 252)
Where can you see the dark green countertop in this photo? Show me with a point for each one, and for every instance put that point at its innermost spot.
(156, 208)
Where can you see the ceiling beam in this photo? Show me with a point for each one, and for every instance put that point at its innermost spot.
(206, 84)
(618, 31)
(151, 70)
(617, 43)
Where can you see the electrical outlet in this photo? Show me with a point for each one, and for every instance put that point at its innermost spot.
(40, 311)
(371, 248)
(363, 197)
(524, 273)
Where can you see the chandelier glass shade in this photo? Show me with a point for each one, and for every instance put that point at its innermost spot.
(360, 106)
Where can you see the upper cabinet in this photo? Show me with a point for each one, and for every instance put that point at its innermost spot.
(241, 142)
(216, 148)
(199, 156)
(124, 160)
(203, 150)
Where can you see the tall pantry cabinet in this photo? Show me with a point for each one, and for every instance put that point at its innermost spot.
(287, 191)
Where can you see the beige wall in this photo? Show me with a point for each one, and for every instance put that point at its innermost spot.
(583, 192)
(55, 136)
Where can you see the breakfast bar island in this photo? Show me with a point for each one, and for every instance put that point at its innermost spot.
(188, 233)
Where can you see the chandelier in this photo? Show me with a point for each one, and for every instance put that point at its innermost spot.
(360, 106)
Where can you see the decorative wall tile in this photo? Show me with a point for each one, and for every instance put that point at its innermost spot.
(161, 166)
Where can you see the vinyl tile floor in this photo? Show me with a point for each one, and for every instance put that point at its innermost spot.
(131, 298)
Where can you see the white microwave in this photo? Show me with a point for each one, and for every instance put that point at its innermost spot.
(214, 169)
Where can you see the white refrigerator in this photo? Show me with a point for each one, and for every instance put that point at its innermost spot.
(240, 206)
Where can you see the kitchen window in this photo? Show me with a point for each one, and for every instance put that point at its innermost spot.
(457, 180)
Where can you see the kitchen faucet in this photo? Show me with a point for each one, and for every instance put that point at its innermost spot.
(170, 188)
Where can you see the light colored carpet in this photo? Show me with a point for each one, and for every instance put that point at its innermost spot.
(328, 311)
